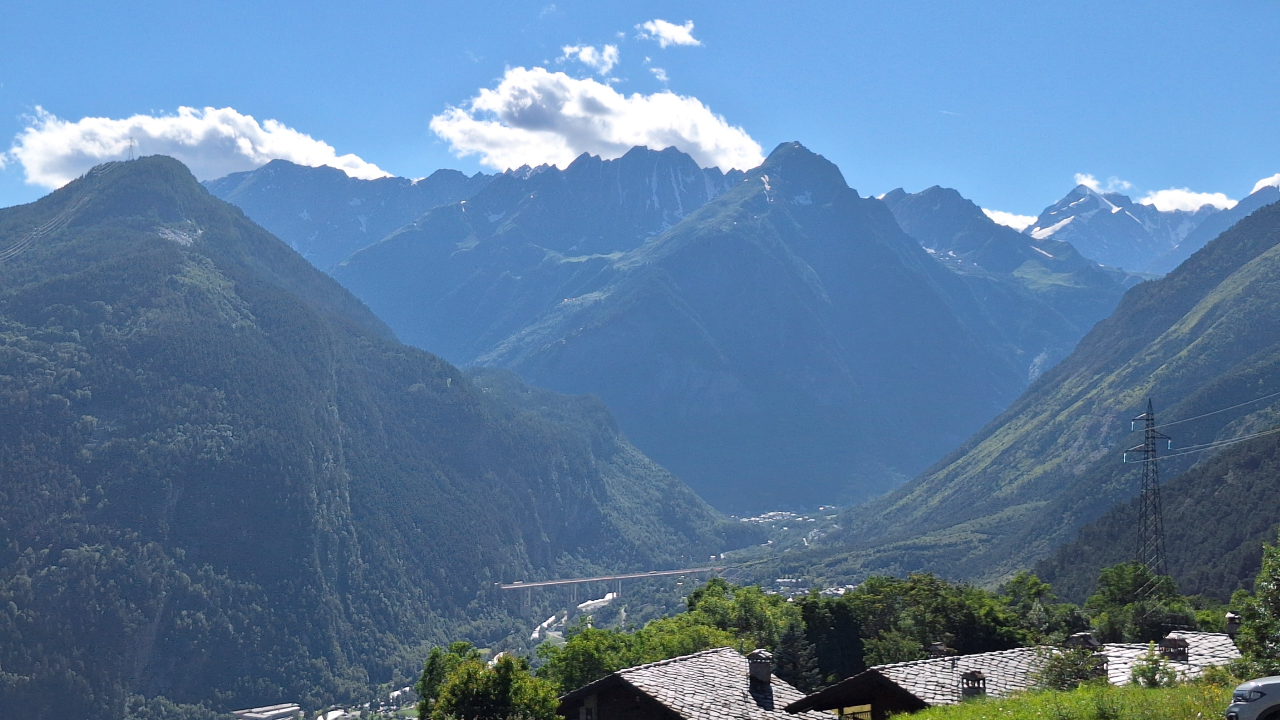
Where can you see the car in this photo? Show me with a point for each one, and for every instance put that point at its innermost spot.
(1256, 700)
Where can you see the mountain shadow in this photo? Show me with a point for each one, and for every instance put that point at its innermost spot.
(773, 338)
(223, 481)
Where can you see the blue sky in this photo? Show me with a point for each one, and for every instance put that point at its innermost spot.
(1006, 102)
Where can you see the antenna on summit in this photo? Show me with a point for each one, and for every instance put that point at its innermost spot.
(131, 147)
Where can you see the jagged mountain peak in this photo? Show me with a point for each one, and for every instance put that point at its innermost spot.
(800, 175)
(326, 215)
(1112, 229)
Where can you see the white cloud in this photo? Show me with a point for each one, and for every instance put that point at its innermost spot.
(535, 116)
(660, 74)
(1017, 222)
(668, 33)
(1273, 181)
(211, 142)
(602, 61)
(1088, 181)
(1185, 199)
(1114, 184)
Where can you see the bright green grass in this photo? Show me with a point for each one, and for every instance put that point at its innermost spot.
(1095, 703)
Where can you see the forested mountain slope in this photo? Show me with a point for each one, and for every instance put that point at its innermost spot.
(222, 480)
(1217, 515)
(1200, 339)
(326, 215)
(781, 343)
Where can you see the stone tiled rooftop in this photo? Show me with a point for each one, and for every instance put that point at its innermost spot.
(937, 681)
(1203, 650)
(714, 684)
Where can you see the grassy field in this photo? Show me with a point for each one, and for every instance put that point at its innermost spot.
(1105, 702)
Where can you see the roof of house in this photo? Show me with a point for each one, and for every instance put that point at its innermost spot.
(1203, 649)
(936, 681)
(712, 684)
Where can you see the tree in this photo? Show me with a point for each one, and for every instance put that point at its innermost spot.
(833, 629)
(900, 618)
(754, 618)
(1039, 614)
(440, 663)
(591, 653)
(1133, 605)
(1259, 635)
(1068, 668)
(794, 659)
(1153, 670)
(506, 691)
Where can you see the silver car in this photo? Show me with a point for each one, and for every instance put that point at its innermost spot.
(1256, 700)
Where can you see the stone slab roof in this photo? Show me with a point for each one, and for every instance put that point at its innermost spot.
(1203, 649)
(937, 681)
(710, 685)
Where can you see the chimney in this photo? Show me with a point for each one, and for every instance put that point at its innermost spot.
(973, 684)
(1175, 647)
(1083, 640)
(1233, 624)
(761, 664)
(940, 649)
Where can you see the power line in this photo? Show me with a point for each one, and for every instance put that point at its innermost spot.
(1222, 443)
(1215, 412)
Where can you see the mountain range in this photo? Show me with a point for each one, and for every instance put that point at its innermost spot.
(1201, 342)
(1112, 229)
(1070, 292)
(223, 481)
(773, 337)
(326, 215)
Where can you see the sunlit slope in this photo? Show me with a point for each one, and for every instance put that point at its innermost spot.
(1217, 516)
(1202, 338)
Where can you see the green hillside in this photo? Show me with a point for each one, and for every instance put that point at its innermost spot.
(1216, 518)
(1201, 339)
(222, 480)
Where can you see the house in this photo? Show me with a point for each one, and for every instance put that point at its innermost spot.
(882, 690)
(712, 684)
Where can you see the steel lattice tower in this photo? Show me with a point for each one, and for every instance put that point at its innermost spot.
(1150, 550)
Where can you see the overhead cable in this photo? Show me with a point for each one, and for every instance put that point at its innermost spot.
(1215, 412)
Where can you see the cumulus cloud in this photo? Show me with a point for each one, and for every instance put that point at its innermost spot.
(535, 116)
(1017, 222)
(660, 74)
(1114, 184)
(601, 61)
(1273, 181)
(1185, 199)
(668, 33)
(212, 142)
